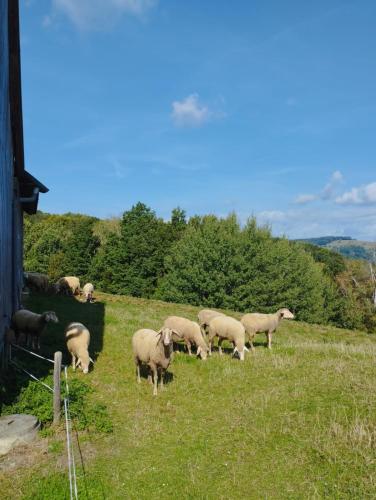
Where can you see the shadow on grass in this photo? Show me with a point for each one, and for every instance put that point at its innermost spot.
(144, 372)
(67, 309)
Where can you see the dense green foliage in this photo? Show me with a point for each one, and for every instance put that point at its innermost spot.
(59, 245)
(132, 261)
(207, 261)
(218, 264)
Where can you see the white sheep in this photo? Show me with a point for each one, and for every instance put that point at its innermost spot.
(68, 285)
(88, 291)
(31, 325)
(78, 339)
(204, 318)
(227, 328)
(153, 349)
(189, 332)
(268, 323)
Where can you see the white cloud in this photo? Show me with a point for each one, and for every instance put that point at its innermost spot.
(356, 221)
(362, 195)
(302, 199)
(98, 14)
(189, 112)
(327, 193)
(270, 216)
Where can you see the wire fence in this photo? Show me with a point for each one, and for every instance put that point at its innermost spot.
(57, 397)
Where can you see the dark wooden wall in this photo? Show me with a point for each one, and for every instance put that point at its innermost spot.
(10, 209)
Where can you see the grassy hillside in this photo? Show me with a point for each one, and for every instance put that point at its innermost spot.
(346, 246)
(354, 249)
(295, 422)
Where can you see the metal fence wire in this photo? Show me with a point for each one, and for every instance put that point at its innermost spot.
(68, 421)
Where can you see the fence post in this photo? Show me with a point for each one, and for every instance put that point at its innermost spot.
(57, 384)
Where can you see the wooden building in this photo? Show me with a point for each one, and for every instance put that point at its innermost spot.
(19, 190)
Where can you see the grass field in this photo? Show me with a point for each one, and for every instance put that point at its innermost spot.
(295, 422)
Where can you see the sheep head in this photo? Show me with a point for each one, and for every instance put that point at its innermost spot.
(286, 314)
(50, 317)
(202, 352)
(84, 361)
(165, 336)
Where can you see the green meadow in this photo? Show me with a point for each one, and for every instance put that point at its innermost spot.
(295, 422)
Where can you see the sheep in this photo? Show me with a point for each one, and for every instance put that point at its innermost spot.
(204, 318)
(78, 339)
(225, 327)
(32, 325)
(153, 349)
(268, 323)
(190, 332)
(68, 285)
(88, 290)
(37, 281)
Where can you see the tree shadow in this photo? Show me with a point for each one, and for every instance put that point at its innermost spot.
(68, 310)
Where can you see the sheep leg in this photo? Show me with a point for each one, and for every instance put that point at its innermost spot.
(269, 339)
(155, 375)
(73, 362)
(150, 377)
(188, 344)
(220, 346)
(210, 342)
(161, 384)
(138, 372)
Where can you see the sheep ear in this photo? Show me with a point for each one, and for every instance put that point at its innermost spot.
(160, 336)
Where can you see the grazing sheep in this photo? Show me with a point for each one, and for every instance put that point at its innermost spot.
(68, 285)
(228, 328)
(32, 325)
(88, 291)
(190, 332)
(78, 340)
(37, 281)
(153, 349)
(204, 318)
(268, 323)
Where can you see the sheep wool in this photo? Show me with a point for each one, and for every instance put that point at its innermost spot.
(78, 339)
(189, 332)
(267, 323)
(31, 325)
(154, 350)
(227, 328)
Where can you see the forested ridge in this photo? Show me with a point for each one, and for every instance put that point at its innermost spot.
(206, 260)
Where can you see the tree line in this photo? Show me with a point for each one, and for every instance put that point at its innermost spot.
(206, 260)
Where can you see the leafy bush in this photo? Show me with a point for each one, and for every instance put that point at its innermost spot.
(86, 413)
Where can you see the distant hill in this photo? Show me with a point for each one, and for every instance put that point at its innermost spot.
(346, 246)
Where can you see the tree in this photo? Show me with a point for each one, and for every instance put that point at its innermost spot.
(218, 264)
(132, 262)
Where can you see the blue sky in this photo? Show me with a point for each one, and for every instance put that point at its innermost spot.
(264, 108)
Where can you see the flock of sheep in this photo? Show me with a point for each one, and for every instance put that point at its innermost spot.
(31, 325)
(151, 348)
(155, 349)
